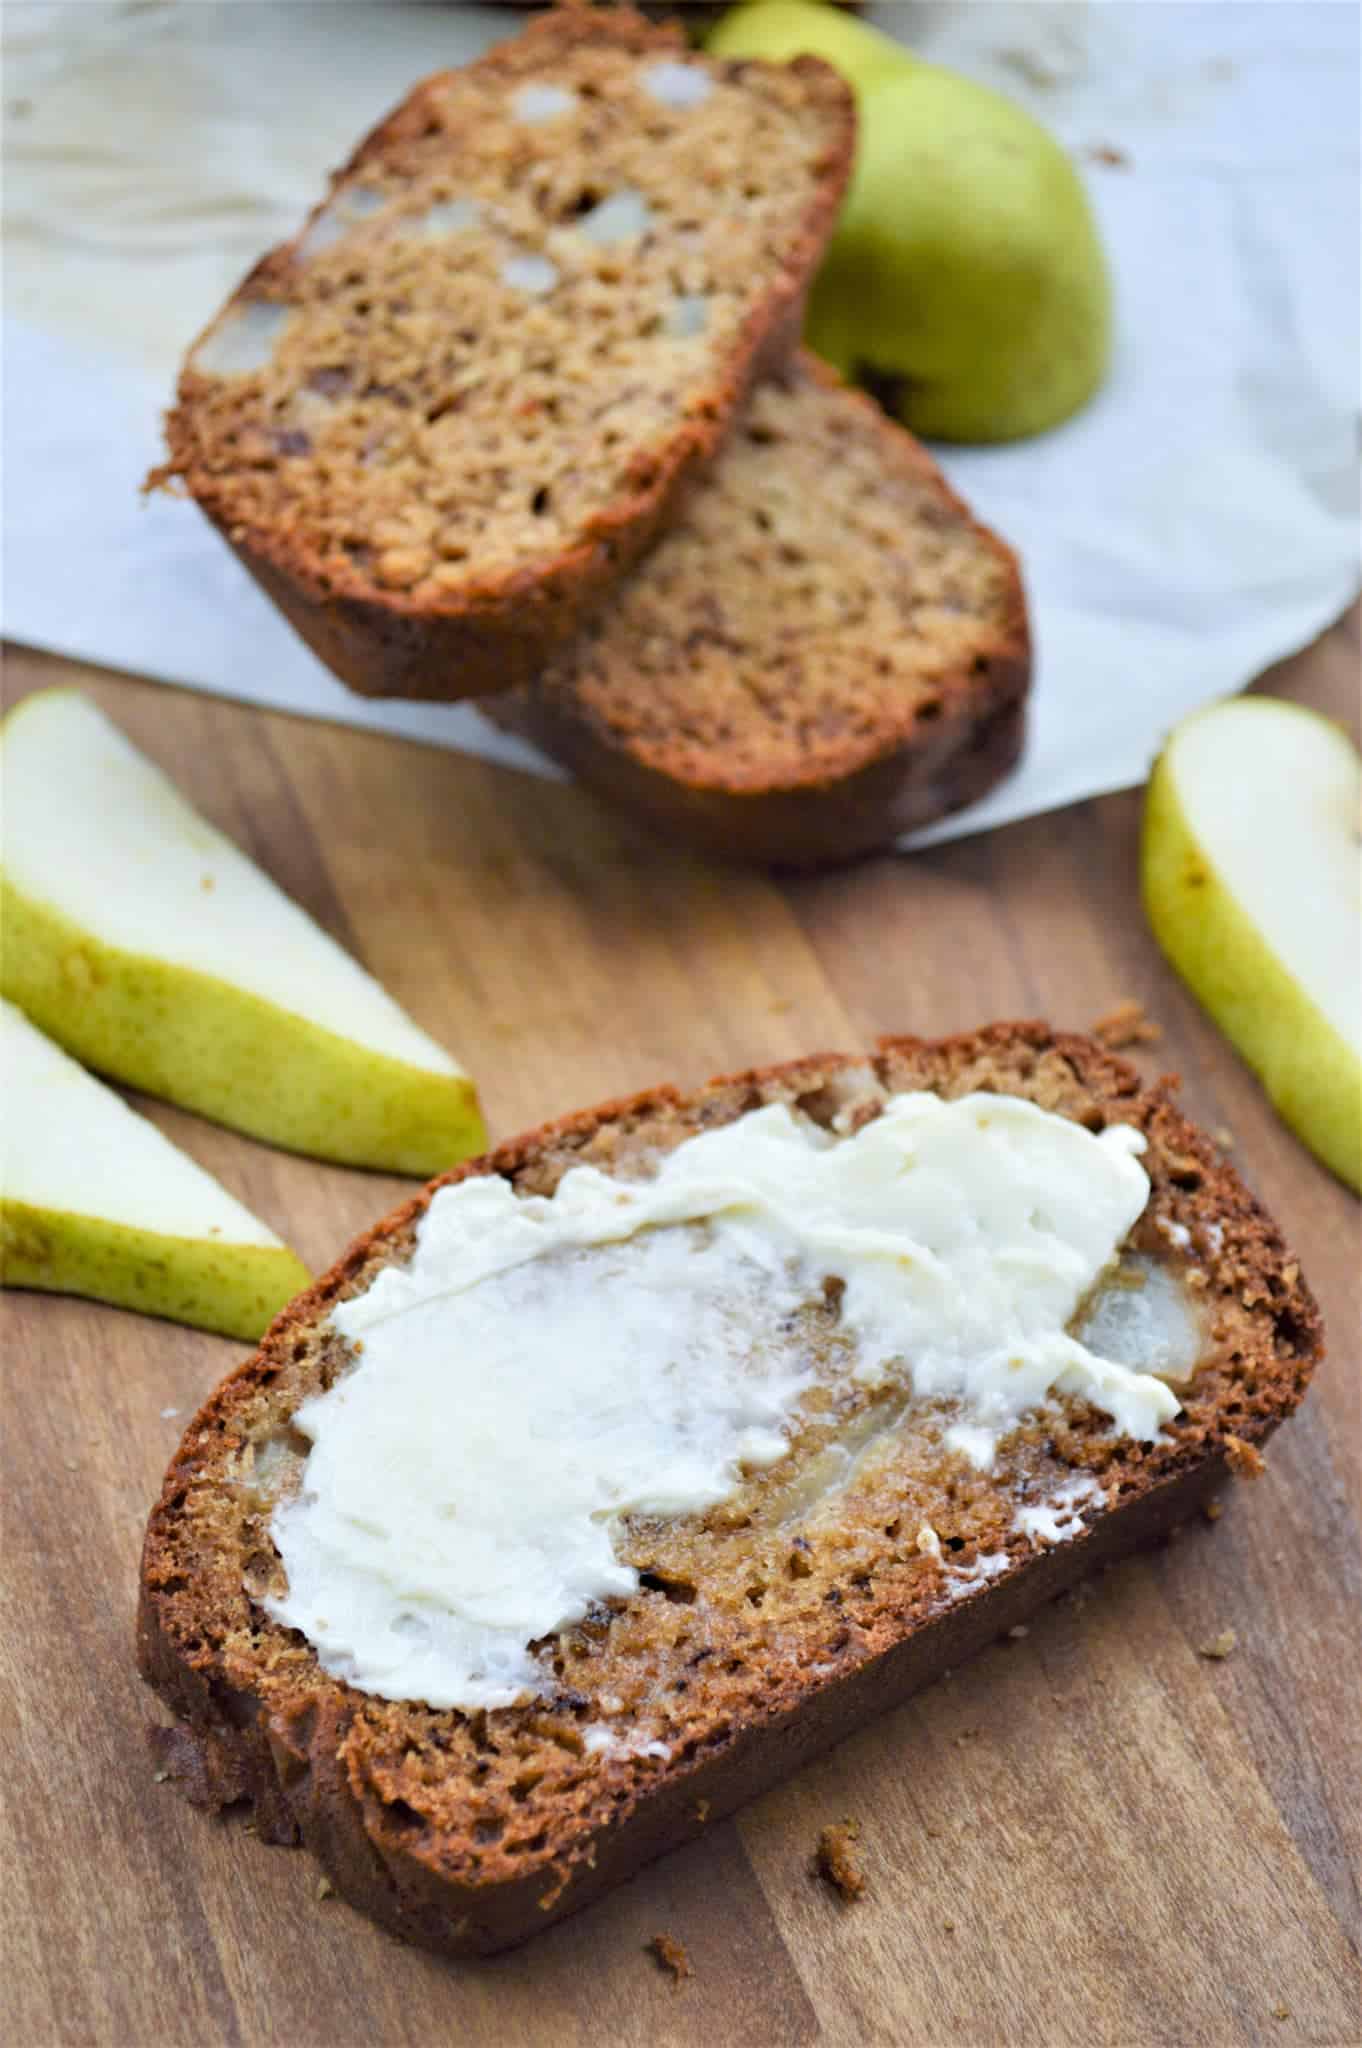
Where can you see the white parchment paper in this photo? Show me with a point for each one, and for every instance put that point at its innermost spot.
(1196, 523)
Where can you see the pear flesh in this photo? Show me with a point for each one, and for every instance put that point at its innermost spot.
(1252, 880)
(95, 1201)
(148, 945)
(966, 280)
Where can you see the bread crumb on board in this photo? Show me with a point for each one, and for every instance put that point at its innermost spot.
(1219, 1646)
(670, 1955)
(1213, 1510)
(325, 1889)
(835, 1859)
(1244, 1460)
(1126, 1024)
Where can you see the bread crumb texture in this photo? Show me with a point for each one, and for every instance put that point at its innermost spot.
(836, 1860)
(670, 1955)
(1245, 1460)
(1220, 1646)
(1125, 1025)
(531, 279)
(784, 627)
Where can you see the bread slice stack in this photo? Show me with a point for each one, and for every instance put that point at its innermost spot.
(876, 1553)
(825, 651)
(521, 410)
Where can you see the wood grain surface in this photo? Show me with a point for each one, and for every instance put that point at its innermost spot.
(1094, 1835)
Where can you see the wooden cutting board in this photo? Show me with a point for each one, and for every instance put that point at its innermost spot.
(1093, 1835)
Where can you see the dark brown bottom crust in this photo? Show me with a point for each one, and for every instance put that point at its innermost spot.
(295, 1799)
(816, 825)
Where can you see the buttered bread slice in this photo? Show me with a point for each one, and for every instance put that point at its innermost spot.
(635, 1462)
(441, 423)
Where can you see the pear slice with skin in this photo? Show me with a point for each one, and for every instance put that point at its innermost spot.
(149, 946)
(94, 1201)
(1252, 879)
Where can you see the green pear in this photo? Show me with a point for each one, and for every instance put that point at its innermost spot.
(966, 281)
(1252, 883)
(148, 945)
(94, 1201)
(778, 30)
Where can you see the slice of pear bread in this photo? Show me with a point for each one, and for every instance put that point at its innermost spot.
(871, 1555)
(826, 650)
(441, 423)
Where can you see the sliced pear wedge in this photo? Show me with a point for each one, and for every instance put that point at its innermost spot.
(94, 1201)
(149, 946)
(1252, 880)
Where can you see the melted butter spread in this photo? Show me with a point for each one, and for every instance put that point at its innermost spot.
(547, 1365)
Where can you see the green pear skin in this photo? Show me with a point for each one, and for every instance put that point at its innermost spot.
(95, 1200)
(232, 1290)
(147, 944)
(781, 29)
(966, 279)
(1310, 1073)
(228, 1054)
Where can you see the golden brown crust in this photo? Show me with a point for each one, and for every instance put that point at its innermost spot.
(500, 625)
(467, 1833)
(923, 721)
(912, 784)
